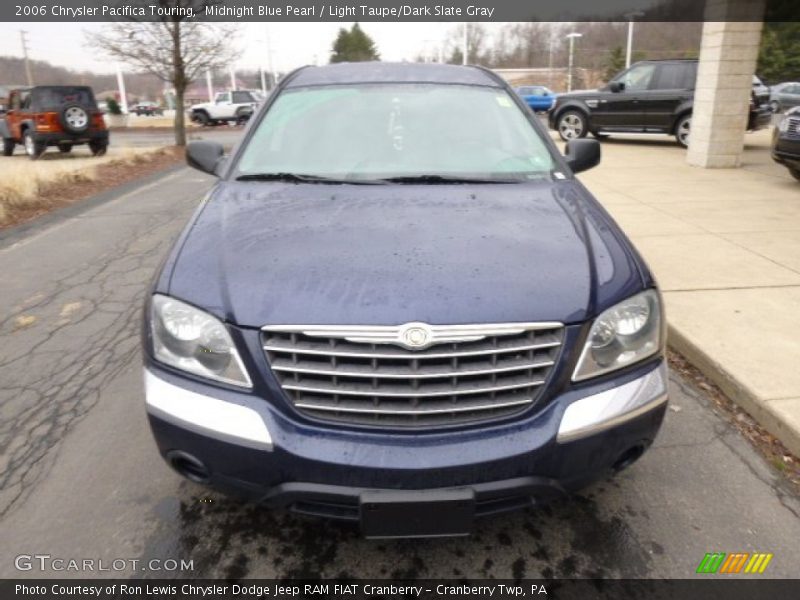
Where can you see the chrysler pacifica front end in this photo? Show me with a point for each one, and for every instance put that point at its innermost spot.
(398, 306)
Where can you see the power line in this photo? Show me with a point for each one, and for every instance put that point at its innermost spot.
(24, 40)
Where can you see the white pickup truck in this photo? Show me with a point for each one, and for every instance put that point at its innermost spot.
(234, 106)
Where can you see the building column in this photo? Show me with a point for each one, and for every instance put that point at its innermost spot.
(728, 55)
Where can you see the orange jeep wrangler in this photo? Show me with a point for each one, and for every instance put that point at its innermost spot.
(53, 115)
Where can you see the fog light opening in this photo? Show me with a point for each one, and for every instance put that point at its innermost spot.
(627, 458)
(189, 466)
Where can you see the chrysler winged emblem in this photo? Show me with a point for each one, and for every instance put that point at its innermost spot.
(415, 336)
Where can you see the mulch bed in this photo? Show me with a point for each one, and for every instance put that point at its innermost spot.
(108, 176)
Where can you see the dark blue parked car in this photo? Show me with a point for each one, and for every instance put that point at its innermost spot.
(538, 97)
(399, 307)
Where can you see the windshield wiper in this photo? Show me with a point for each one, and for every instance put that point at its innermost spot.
(446, 179)
(300, 178)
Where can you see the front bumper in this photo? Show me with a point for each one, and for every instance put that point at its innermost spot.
(786, 151)
(239, 443)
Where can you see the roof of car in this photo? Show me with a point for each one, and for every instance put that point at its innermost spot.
(57, 87)
(385, 72)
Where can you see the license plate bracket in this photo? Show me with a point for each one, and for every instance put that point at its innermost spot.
(417, 513)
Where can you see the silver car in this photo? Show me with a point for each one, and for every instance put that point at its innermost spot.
(784, 96)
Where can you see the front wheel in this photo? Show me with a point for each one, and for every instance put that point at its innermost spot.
(795, 173)
(572, 125)
(682, 130)
(8, 146)
(98, 148)
(33, 148)
(776, 108)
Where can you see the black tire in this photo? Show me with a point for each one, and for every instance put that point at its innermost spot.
(74, 118)
(98, 147)
(8, 146)
(243, 116)
(33, 148)
(682, 130)
(572, 125)
(65, 148)
(775, 106)
(202, 118)
(795, 173)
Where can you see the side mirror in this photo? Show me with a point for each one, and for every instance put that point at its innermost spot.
(616, 86)
(205, 156)
(582, 154)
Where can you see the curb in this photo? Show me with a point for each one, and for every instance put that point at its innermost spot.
(761, 410)
(14, 234)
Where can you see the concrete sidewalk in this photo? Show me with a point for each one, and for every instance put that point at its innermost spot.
(725, 248)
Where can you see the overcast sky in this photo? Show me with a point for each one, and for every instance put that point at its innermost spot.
(293, 44)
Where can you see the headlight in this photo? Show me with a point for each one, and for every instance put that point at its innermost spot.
(192, 340)
(622, 335)
(783, 124)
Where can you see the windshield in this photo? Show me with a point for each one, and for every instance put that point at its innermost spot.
(56, 96)
(380, 131)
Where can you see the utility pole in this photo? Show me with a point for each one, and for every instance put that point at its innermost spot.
(22, 37)
(233, 78)
(465, 41)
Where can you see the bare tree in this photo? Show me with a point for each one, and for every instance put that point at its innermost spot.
(177, 49)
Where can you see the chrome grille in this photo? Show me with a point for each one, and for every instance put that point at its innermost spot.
(369, 375)
(793, 127)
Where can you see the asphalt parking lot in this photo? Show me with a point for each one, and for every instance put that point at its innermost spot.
(81, 478)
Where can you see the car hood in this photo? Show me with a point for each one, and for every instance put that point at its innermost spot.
(274, 253)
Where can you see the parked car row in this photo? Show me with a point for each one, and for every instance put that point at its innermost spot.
(648, 97)
(657, 97)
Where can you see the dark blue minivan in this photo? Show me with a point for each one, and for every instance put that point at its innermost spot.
(399, 307)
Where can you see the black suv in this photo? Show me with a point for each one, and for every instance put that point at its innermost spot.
(648, 97)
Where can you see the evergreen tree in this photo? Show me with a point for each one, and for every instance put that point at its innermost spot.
(353, 46)
(779, 56)
(615, 62)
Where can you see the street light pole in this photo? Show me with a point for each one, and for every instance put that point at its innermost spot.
(123, 96)
(550, 59)
(571, 37)
(273, 80)
(630, 16)
(24, 40)
(465, 50)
